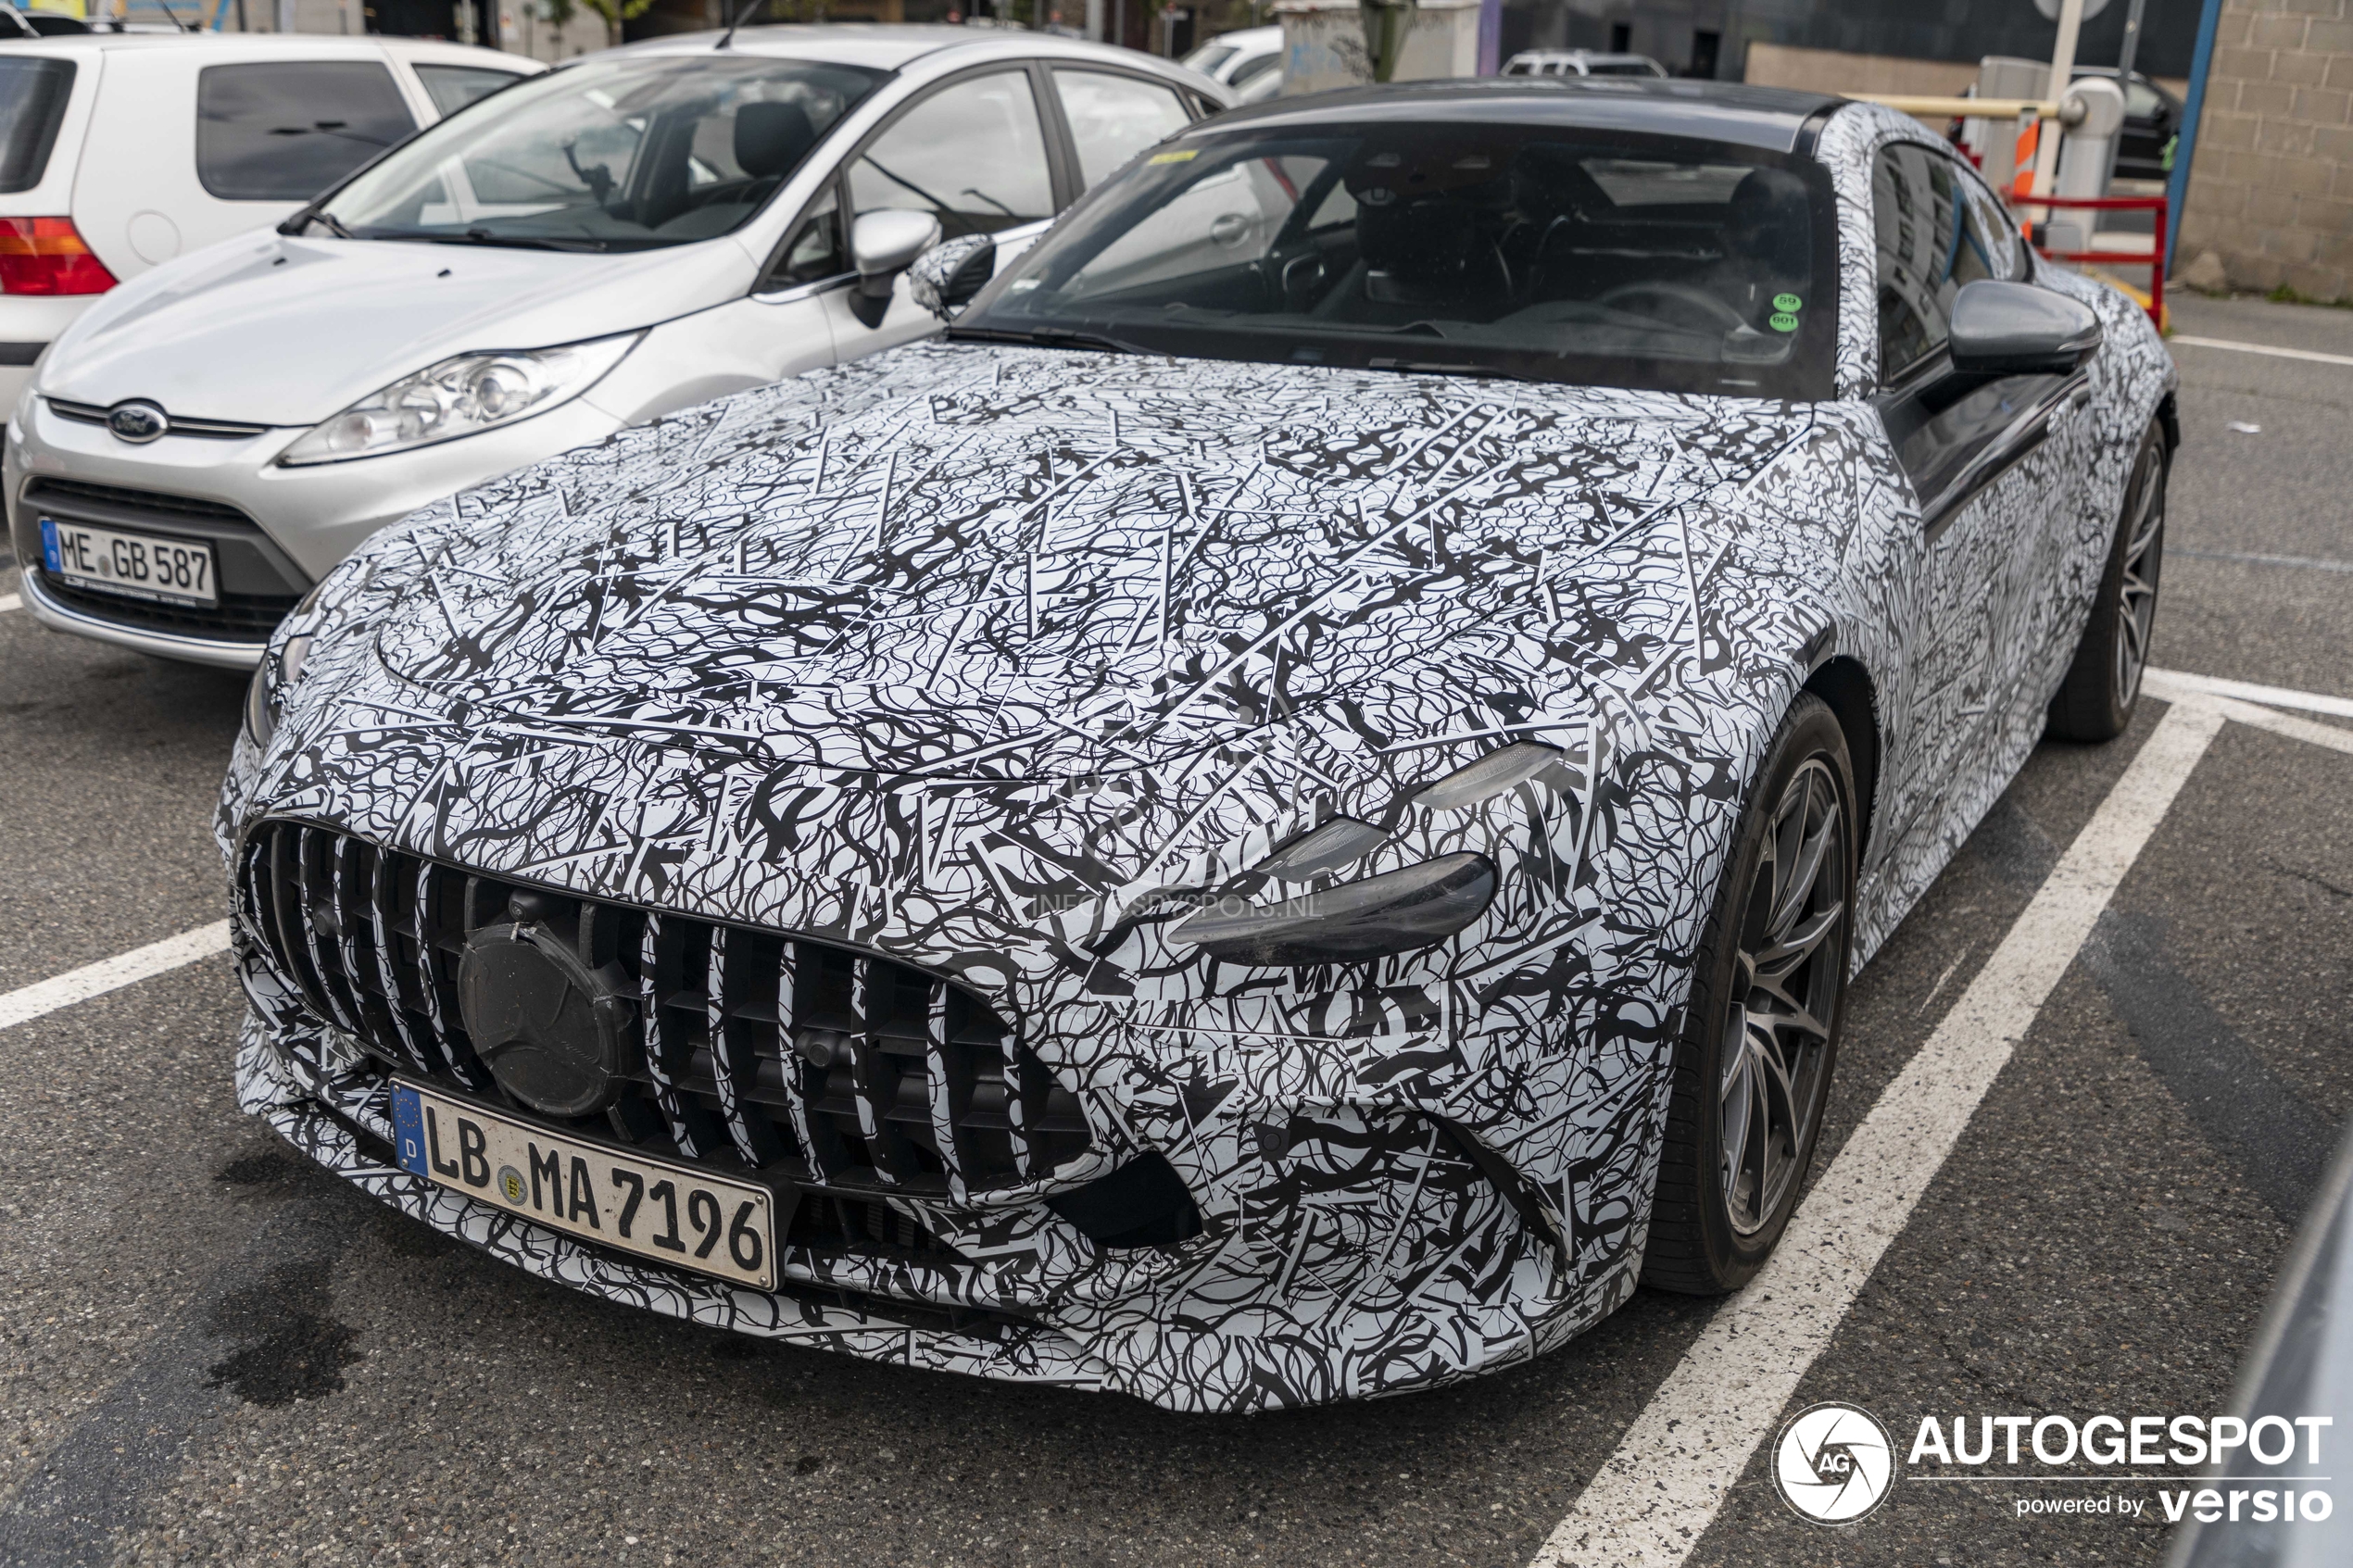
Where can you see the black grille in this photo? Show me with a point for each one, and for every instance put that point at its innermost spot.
(842, 1070)
(156, 501)
(238, 618)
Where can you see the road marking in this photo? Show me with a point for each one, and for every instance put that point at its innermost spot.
(1650, 1503)
(2311, 563)
(2265, 718)
(111, 975)
(2237, 347)
(9, 602)
(2174, 685)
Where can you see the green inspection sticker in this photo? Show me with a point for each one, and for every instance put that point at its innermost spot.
(1786, 302)
(1783, 322)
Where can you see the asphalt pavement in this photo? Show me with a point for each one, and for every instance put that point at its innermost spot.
(211, 1352)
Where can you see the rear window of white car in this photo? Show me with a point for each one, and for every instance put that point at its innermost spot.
(32, 104)
(286, 130)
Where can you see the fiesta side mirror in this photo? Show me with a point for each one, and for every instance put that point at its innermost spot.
(881, 245)
(945, 278)
(2002, 328)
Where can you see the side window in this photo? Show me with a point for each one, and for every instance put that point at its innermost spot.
(816, 250)
(1995, 237)
(973, 153)
(1114, 118)
(1932, 240)
(285, 131)
(453, 87)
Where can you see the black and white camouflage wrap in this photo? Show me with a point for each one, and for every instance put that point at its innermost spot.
(965, 653)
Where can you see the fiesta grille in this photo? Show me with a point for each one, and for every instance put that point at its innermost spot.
(248, 612)
(841, 1069)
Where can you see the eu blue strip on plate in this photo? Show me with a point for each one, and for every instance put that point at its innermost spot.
(49, 546)
(409, 1129)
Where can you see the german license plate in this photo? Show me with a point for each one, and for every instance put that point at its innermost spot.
(142, 566)
(672, 1213)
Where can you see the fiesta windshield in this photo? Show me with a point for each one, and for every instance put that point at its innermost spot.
(614, 155)
(1594, 257)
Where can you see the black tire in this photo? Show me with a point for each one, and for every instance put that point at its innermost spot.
(2103, 685)
(1716, 1216)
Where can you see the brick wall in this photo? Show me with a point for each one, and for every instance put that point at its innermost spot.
(2271, 186)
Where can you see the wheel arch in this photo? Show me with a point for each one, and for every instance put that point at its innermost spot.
(1846, 687)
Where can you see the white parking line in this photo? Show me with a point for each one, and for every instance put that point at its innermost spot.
(111, 975)
(2174, 685)
(9, 602)
(2246, 558)
(1650, 1503)
(2237, 347)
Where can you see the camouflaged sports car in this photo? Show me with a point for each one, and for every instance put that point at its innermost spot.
(1282, 816)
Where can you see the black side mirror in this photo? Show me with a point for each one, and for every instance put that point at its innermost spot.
(945, 278)
(2016, 329)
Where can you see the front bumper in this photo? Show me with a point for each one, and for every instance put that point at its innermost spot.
(1235, 1322)
(299, 522)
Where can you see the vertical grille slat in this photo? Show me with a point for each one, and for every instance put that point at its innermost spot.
(787, 1054)
(822, 1158)
(732, 1001)
(383, 913)
(665, 1051)
(948, 1074)
(875, 1079)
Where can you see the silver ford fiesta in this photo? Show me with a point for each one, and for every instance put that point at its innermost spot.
(634, 233)
(1282, 817)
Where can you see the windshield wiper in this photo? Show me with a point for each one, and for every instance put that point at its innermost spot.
(511, 241)
(1044, 337)
(293, 227)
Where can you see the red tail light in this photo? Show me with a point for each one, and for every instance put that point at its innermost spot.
(47, 255)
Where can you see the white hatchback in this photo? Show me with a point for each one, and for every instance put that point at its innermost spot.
(639, 231)
(120, 151)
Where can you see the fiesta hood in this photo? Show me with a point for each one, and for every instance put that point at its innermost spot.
(285, 332)
(975, 561)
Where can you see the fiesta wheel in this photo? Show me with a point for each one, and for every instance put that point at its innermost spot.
(1753, 1067)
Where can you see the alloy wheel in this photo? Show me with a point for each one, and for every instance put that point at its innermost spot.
(1786, 984)
(2144, 549)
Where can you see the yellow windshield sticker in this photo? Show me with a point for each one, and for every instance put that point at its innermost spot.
(1185, 156)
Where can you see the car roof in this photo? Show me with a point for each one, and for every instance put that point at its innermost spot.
(292, 42)
(1765, 117)
(889, 47)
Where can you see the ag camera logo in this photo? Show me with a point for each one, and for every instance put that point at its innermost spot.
(1834, 1463)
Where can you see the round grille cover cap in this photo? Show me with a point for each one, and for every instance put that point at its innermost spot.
(552, 1031)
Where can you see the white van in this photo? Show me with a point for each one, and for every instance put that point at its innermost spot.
(121, 151)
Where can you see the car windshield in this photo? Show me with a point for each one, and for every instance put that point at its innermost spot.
(1593, 257)
(620, 155)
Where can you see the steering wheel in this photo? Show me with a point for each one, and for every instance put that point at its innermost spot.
(1698, 301)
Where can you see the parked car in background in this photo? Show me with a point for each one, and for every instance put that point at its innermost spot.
(1250, 61)
(1580, 62)
(121, 151)
(642, 229)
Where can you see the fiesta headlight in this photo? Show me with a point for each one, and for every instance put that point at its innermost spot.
(461, 396)
(1395, 912)
(265, 698)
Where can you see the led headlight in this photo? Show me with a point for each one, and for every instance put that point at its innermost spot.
(277, 671)
(1392, 913)
(460, 396)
